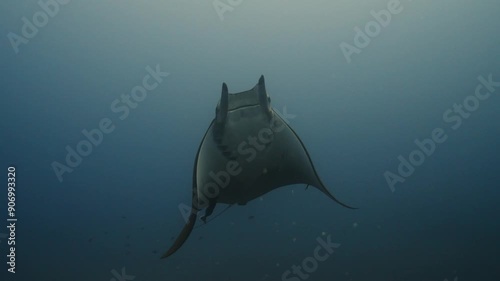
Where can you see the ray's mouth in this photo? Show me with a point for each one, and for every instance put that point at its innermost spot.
(243, 106)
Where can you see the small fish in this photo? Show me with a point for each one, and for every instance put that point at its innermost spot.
(124, 217)
(155, 252)
(251, 217)
(127, 244)
(128, 236)
(172, 238)
(201, 237)
(90, 239)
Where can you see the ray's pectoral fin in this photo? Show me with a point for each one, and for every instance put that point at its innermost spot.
(307, 172)
(323, 189)
(183, 236)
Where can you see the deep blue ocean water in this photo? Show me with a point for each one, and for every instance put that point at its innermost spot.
(362, 88)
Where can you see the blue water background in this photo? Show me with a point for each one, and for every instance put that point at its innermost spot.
(120, 207)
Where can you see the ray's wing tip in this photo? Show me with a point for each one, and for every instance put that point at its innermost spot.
(167, 254)
(342, 203)
(346, 206)
(350, 207)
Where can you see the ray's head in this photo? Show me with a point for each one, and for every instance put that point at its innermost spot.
(255, 101)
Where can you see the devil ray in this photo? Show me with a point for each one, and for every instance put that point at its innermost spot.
(247, 151)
